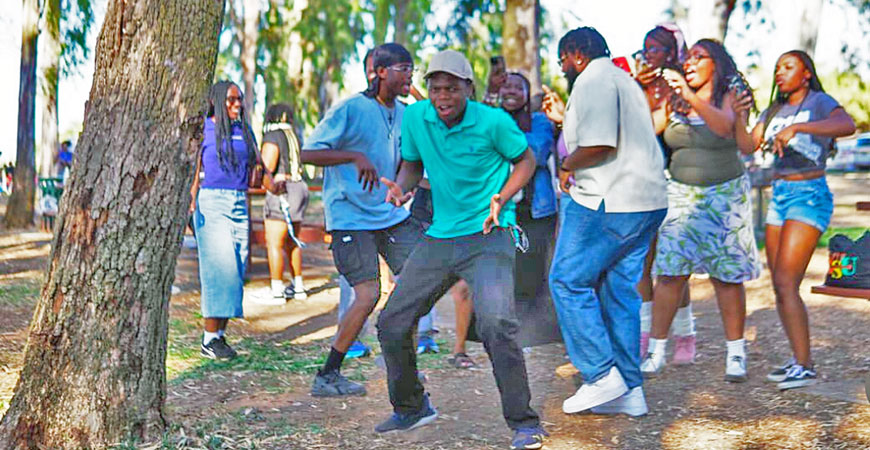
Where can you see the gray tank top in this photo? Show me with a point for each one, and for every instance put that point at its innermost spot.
(700, 157)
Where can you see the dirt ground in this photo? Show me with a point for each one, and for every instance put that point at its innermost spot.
(262, 401)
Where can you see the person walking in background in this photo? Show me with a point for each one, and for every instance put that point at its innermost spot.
(799, 128)
(709, 224)
(282, 158)
(220, 213)
(617, 201)
(358, 142)
(663, 48)
(467, 150)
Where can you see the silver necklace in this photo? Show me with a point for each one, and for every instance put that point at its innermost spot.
(387, 118)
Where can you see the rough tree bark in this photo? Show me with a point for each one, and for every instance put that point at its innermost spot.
(49, 63)
(520, 43)
(19, 210)
(94, 369)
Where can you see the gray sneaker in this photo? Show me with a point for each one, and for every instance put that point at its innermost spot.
(334, 384)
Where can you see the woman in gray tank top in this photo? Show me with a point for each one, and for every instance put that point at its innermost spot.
(799, 127)
(709, 224)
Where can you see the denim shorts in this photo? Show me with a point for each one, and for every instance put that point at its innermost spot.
(807, 201)
(221, 225)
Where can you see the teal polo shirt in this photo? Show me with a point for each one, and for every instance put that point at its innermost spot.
(466, 164)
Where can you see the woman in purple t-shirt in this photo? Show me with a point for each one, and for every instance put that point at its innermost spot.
(220, 213)
(799, 128)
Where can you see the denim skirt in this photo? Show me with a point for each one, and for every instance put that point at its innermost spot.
(221, 225)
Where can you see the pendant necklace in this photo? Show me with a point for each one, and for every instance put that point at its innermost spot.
(387, 118)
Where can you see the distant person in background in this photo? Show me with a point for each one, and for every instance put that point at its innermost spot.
(281, 157)
(64, 160)
(799, 128)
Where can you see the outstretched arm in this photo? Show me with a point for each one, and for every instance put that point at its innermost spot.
(399, 191)
(368, 175)
(524, 168)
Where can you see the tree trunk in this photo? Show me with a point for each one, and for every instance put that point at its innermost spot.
(520, 43)
(248, 55)
(709, 19)
(400, 23)
(811, 15)
(94, 368)
(49, 57)
(19, 211)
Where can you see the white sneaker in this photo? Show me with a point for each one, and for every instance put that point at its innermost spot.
(632, 403)
(652, 364)
(609, 387)
(269, 300)
(300, 295)
(735, 369)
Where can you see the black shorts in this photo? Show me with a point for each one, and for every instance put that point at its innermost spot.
(355, 252)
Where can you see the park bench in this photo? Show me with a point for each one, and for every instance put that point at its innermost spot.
(846, 292)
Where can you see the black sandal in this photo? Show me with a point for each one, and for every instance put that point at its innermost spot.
(462, 361)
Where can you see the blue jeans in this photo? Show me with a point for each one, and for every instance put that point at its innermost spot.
(221, 226)
(598, 263)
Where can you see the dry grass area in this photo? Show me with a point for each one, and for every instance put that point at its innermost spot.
(261, 399)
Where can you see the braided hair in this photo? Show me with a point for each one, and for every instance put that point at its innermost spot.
(815, 83)
(385, 55)
(223, 127)
(725, 71)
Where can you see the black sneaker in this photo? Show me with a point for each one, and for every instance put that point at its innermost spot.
(289, 292)
(797, 376)
(528, 438)
(778, 375)
(217, 349)
(334, 384)
(407, 422)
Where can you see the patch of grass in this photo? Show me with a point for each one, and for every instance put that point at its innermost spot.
(18, 293)
(253, 356)
(852, 232)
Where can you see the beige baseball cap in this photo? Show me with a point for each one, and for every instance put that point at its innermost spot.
(452, 62)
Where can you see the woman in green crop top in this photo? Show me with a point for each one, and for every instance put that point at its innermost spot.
(709, 224)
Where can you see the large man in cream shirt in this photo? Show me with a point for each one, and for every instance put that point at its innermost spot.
(617, 202)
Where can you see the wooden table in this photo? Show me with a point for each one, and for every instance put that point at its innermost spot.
(862, 206)
(841, 292)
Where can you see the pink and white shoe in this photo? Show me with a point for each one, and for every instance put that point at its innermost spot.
(684, 350)
(644, 343)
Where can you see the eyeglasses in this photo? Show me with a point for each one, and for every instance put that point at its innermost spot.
(562, 59)
(233, 99)
(655, 49)
(696, 58)
(402, 68)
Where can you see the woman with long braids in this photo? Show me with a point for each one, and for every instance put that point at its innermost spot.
(799, 128)
(219, 205)
(708, 228)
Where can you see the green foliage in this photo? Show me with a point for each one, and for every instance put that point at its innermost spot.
(15, 293)
(852, 232)
(77, 18)
(852, 92)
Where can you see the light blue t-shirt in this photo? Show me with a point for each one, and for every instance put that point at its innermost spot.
(359, 124)
(466, 164)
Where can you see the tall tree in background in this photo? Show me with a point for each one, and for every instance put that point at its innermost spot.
(520, 40)
(811, 15)
(94, 367)
(19, 211)
(62, 47)
(407, 19)
(708, 19)
(49, 68)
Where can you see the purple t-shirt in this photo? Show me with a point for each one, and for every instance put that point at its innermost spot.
(215, 176)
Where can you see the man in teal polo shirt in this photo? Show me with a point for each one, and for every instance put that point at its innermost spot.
(467, 150)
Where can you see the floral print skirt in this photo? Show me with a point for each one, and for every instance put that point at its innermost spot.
(708, 229)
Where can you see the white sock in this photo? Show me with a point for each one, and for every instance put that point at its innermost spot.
(736, 347)
(208, 336)
(658, 347)
(297, 283)
(645, 317)
(277, 288)
(684, 322)
(220, 333)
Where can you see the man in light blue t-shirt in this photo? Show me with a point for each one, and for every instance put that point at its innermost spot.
(467, 150)
(358, 142)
